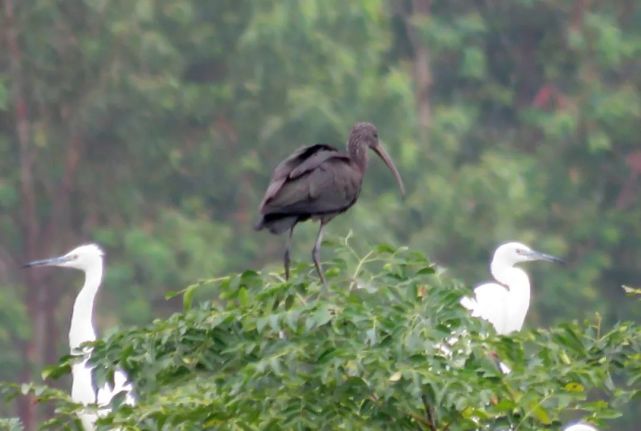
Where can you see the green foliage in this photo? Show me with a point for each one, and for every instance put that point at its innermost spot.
(386, 346)
(66, 410)
(12, 424)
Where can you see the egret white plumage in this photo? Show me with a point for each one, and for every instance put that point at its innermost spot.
(89, 259)
(505, 303)
(580, 427)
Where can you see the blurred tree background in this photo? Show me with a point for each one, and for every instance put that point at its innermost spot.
(152, 128)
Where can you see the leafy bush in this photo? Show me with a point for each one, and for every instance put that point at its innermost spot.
(385, 346)
(11, 424)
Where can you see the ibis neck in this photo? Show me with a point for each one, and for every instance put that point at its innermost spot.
(358, 153)
(81, 329)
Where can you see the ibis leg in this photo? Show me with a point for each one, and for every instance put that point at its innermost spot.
(287, 247)
(316, 252)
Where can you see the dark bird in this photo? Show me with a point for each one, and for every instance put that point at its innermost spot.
(319, 182)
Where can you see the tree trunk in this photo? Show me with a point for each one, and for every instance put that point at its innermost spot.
(32, 349)
(421, 64)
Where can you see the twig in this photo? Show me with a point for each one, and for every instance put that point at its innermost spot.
(429, 414)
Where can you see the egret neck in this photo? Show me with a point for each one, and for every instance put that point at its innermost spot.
(517, 283)
(81, 329)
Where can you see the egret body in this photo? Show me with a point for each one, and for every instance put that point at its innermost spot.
(89, 259)
(505, 303)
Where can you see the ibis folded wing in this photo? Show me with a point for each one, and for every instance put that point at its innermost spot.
(302, 160)
(329, 187)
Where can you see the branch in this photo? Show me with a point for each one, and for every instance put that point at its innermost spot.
(429, 414)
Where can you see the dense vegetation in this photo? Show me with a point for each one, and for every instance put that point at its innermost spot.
(374, 351)
(152, 127)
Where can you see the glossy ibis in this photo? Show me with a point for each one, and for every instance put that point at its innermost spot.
(89, 259)
(319, 182)
(505, 303)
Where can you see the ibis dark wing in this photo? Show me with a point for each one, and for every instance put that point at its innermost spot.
(325, 184)
(301, 161)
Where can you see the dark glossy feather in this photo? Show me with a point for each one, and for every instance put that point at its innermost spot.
(316, 181)
(284, 169)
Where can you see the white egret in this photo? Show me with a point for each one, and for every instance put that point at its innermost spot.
(580, 427)
(505, 303)
(89, 259)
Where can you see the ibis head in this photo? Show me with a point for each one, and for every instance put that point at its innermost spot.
(363, 136)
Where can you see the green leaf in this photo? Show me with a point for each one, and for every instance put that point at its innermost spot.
(385, 249)
(55, 371)
(574, 387)
(396, 376)
(243, 297)
(188, 295)
(541, 414)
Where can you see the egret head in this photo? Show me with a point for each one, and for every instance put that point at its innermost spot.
(512, 253)
(366, 133)
(82, 258)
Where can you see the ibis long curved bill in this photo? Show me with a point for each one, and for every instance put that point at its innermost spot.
(378, 148)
